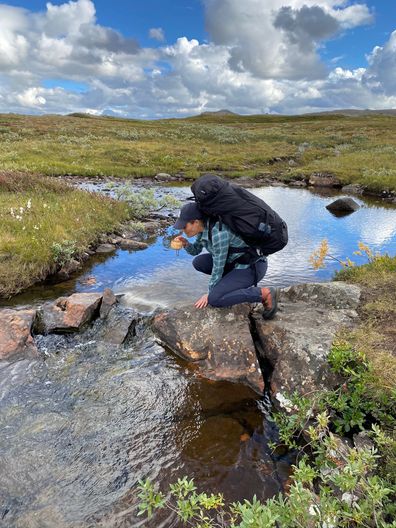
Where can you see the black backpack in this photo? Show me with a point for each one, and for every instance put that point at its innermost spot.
(246, 215)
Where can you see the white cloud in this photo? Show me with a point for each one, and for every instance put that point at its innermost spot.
(262, 57)
(278, 39)
(157, 34)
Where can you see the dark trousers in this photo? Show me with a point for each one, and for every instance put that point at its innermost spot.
(236, 286)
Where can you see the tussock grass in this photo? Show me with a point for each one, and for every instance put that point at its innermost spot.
(36, 213)
(356, 149)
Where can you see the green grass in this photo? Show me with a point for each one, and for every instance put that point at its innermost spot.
(41, 218)
(376, 335)
(356, 149)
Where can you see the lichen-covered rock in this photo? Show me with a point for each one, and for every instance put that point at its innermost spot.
(298, 340)
(324, 179)
(217, 340)
(15, 333)
(68, 314)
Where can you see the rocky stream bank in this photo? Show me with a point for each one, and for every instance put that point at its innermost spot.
(289, 353)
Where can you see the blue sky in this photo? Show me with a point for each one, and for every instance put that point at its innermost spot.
(159, 59)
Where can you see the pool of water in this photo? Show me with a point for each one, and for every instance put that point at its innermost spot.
(158, 276)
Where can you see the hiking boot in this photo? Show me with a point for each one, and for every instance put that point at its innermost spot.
(270, 297)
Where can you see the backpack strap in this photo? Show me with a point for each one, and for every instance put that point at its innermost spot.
(211, 222)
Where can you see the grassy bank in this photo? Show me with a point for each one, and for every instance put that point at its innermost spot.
(376, 335)
(355, 149)
(42, 223)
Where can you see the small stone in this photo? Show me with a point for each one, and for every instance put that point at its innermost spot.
(164, 177)
(89, 281)
(323, 179)
(297, 183)
(70, 267)
(105, 248)
(128, 243)
(353, 188)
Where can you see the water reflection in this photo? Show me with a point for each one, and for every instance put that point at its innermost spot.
(159, 277)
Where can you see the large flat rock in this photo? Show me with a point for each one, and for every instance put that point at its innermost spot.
(298, 340)
(217, 340)
(15, 333)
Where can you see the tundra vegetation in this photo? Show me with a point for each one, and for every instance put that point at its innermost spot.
(359, 149)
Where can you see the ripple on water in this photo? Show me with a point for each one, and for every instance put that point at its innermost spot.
(78, 429)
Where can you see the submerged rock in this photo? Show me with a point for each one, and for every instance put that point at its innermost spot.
(298, 340)
(15, 336)
(343, 205)
(217, 340)
(68, 314)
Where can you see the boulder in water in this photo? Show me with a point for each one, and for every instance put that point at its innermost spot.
(343, 205)
(68, 314)
(15, 336)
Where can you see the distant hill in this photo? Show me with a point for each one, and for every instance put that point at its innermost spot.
(351, 112)
(219, 113)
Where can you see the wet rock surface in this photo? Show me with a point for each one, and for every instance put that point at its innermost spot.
(118, 324)
(15, 336)
(218, 341)
(68, 314)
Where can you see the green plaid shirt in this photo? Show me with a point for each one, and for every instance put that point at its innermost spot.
(218, 248)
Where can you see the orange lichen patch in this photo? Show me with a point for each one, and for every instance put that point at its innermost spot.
(244, 437)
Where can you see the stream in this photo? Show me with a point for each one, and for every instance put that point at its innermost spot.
(80, 425)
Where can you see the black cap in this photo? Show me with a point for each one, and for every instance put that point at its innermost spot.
(188, 213)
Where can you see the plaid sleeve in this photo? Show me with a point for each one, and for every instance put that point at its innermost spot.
(220, 245)
(196, 247)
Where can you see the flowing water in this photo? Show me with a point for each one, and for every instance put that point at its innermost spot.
(80, 425)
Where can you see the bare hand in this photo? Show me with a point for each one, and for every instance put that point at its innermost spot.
(202, 301)
(181, 239)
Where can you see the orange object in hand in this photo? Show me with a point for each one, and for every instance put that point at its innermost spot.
(176, 244)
